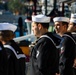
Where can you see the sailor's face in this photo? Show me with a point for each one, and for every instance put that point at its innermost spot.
(35, 29)
(59, 28)
(70, 27)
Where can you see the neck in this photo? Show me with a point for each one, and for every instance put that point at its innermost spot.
(3, 42)
(43, 32)
(60, 34)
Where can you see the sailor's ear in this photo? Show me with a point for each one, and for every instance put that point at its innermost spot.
(39, 26)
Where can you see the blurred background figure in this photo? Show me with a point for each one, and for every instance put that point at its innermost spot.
(28, 22)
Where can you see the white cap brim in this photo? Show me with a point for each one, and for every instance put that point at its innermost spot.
(41, 18)
(8, 26)
(61, 19)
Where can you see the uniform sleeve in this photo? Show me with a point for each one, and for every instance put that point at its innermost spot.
(67, 46)
(47, 58)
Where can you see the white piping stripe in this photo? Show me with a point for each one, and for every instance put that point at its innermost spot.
(48, 38)
(73, 33)
(70, 37)
(17, 55)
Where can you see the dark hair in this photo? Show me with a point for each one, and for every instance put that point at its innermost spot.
(45, 25)
(6, 35)
(65, 23)
(74, 24)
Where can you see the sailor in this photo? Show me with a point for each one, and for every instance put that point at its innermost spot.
(67, 50)
(15, 56)
(43, 59)
(72, 25)
(72, 29)
(60, 27)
